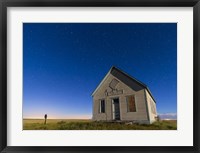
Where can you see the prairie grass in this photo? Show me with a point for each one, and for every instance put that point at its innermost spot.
(66, 124)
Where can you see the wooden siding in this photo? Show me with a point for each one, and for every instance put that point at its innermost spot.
(101, 93)
(151, 105)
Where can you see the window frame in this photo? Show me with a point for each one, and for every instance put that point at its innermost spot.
(100, 105)
(127, 103)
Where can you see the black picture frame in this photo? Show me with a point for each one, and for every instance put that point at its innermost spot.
(4, 4)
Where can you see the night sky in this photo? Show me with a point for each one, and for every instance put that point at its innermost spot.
(64, 63)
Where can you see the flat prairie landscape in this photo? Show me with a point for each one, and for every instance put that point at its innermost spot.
(81, 124)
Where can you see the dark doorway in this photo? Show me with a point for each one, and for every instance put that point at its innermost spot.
(116, 109)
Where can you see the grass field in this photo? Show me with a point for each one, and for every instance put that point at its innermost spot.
(61, 124)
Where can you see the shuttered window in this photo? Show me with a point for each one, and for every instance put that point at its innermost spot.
(102, 106)
(131, 107)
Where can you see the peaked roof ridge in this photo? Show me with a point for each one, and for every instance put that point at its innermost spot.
(127, 75)
(134, 79)
(131, 77)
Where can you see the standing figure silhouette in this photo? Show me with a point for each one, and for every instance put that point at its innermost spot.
(45, 117)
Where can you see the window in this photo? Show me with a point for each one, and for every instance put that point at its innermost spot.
(113, 83)
(102, 106)
(131, 107)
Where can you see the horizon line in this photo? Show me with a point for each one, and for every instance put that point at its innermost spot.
(60, 118)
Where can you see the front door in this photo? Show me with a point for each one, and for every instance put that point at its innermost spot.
(116, 109)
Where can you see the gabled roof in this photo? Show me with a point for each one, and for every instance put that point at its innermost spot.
(126, 79)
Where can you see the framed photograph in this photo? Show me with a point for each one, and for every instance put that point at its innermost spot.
(99, 76)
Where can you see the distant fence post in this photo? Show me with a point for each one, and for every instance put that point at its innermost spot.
(45, 117)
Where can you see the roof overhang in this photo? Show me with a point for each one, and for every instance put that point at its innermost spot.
(128, 76)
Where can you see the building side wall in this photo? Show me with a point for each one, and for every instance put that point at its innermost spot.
(151, 107)
(141, 110)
